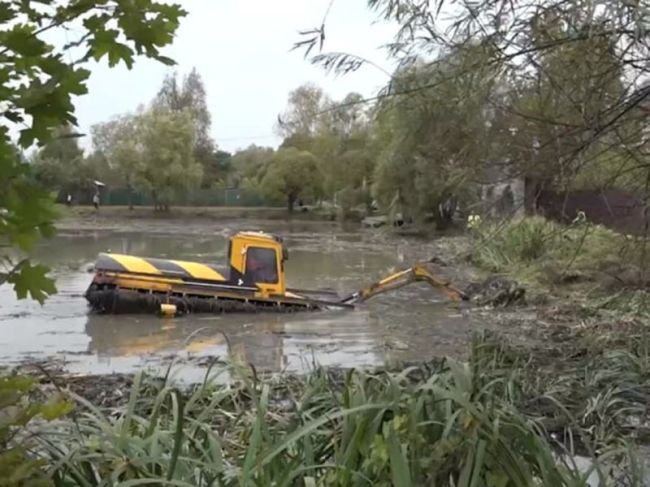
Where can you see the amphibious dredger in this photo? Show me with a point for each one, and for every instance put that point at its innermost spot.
(253, 281)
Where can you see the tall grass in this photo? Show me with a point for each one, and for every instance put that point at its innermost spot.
(480, 423)
(541, 251)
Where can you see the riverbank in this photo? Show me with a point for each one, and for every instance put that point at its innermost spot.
(195, 212)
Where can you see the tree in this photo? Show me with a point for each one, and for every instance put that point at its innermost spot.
(573, 73)
(60, 165)
(37, 83)
(157, 155)
(250, 163)
(346, 117)
(217, 170)
(337, 134)
(433, 144)
(345, 152)
(168, 167)
(190, 96)
(115, 143)
(302, 114)
(291, 173)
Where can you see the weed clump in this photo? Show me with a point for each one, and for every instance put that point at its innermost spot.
(539, 251)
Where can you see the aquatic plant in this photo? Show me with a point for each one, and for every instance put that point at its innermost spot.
(488, 422)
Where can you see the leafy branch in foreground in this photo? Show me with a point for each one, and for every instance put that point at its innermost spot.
(26, 214)
(17, 466)
(37, 83)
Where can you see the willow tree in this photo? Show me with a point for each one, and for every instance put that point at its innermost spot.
(574, 77)
(292, 174)
(433, 143)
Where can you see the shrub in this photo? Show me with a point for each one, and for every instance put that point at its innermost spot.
(536, 248)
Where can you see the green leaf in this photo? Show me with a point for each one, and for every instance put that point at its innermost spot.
(103, 42)
(27, 137)
(32, 280)
(13, 116)
(6, 12)
(23, 41)
(96, 22)
(398, 465)
(166, 60)
(120, 52)
(56, 408)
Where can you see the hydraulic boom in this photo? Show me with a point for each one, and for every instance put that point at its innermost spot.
(418, 273)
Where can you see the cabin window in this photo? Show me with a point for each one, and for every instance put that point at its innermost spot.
(261, 265)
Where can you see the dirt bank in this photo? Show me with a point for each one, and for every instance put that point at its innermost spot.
(185, 212)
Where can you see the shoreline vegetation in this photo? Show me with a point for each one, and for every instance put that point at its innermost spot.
(510, 415)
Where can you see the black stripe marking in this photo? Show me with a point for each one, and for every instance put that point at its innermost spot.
(107, 263)
(168, 268)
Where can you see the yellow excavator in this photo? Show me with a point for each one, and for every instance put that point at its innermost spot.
(254, 281)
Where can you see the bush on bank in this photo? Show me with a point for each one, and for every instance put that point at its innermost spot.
(546, 252)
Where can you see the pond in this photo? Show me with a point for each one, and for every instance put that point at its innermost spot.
(413, 323)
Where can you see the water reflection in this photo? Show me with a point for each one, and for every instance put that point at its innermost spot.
(268, 342)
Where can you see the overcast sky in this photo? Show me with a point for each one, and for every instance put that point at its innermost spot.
(242, 51)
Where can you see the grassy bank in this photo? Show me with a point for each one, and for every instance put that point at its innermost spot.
(508, 417)
(185, 212)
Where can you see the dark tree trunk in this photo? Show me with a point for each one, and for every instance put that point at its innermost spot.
(154, 196)
(444, 213)
(533, 187)
(291, 201)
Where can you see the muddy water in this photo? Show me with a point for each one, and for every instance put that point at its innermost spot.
(412, 324)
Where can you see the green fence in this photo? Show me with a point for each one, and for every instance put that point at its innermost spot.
(199, 197)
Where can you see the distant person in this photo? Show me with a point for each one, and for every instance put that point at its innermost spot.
(68, 200)
(96, 201)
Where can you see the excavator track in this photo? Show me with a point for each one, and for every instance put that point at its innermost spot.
(114, 300)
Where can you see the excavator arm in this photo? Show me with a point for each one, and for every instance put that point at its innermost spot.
(418, 273)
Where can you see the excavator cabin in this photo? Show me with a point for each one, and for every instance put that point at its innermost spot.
(257, 259)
